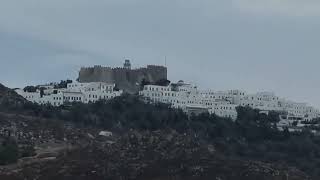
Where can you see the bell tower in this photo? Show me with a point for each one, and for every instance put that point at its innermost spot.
(127, 64)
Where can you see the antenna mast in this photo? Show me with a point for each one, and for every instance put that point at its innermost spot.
(165, 61)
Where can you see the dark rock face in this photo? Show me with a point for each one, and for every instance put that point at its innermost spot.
(9, 97)
(161, 155)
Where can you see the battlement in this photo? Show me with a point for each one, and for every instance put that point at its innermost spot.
(124, 77)
(156, 66)
(96, 67)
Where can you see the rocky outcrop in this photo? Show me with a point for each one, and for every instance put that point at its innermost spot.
(9, 98)
(161, 155)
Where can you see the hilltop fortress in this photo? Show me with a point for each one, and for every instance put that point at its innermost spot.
(125, 77)
(96, 83)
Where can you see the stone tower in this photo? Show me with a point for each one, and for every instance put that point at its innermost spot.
(125, 77)
(127, 64)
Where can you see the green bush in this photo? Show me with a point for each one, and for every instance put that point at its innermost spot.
(253, 136)
(9, 152)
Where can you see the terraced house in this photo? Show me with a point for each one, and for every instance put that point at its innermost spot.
(75, 92)
(223, 103)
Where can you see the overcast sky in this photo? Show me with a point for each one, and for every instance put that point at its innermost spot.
(253, 45)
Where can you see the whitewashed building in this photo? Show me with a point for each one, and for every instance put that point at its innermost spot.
(223, 103)
(188, 98)
(268, 101)
(75, 92)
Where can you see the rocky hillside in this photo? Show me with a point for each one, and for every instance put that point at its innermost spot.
(9, 98)
(161, 155)
(48, 148)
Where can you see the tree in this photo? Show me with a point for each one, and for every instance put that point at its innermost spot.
(163, 82)
(143, 83)
(8, 152)
(63, 84)
(30, 89)
(116, 88)
(42, 92)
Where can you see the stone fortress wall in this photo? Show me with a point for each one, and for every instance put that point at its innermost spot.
(125, 78)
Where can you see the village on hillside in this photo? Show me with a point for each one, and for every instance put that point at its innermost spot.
(151, 84)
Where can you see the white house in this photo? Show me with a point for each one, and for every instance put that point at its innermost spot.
(75, 92)
(268, 101)
(223, 103)
(188, 98)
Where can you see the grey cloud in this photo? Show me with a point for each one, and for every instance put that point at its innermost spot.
(280, 7)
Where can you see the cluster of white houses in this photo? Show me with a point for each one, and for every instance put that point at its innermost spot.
(75, 92)
(178, 95)
(224, 103)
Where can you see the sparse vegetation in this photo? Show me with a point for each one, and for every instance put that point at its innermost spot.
(253, 136)
(161, 82)
(63, 84)
(30, 89)
(9, 152)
